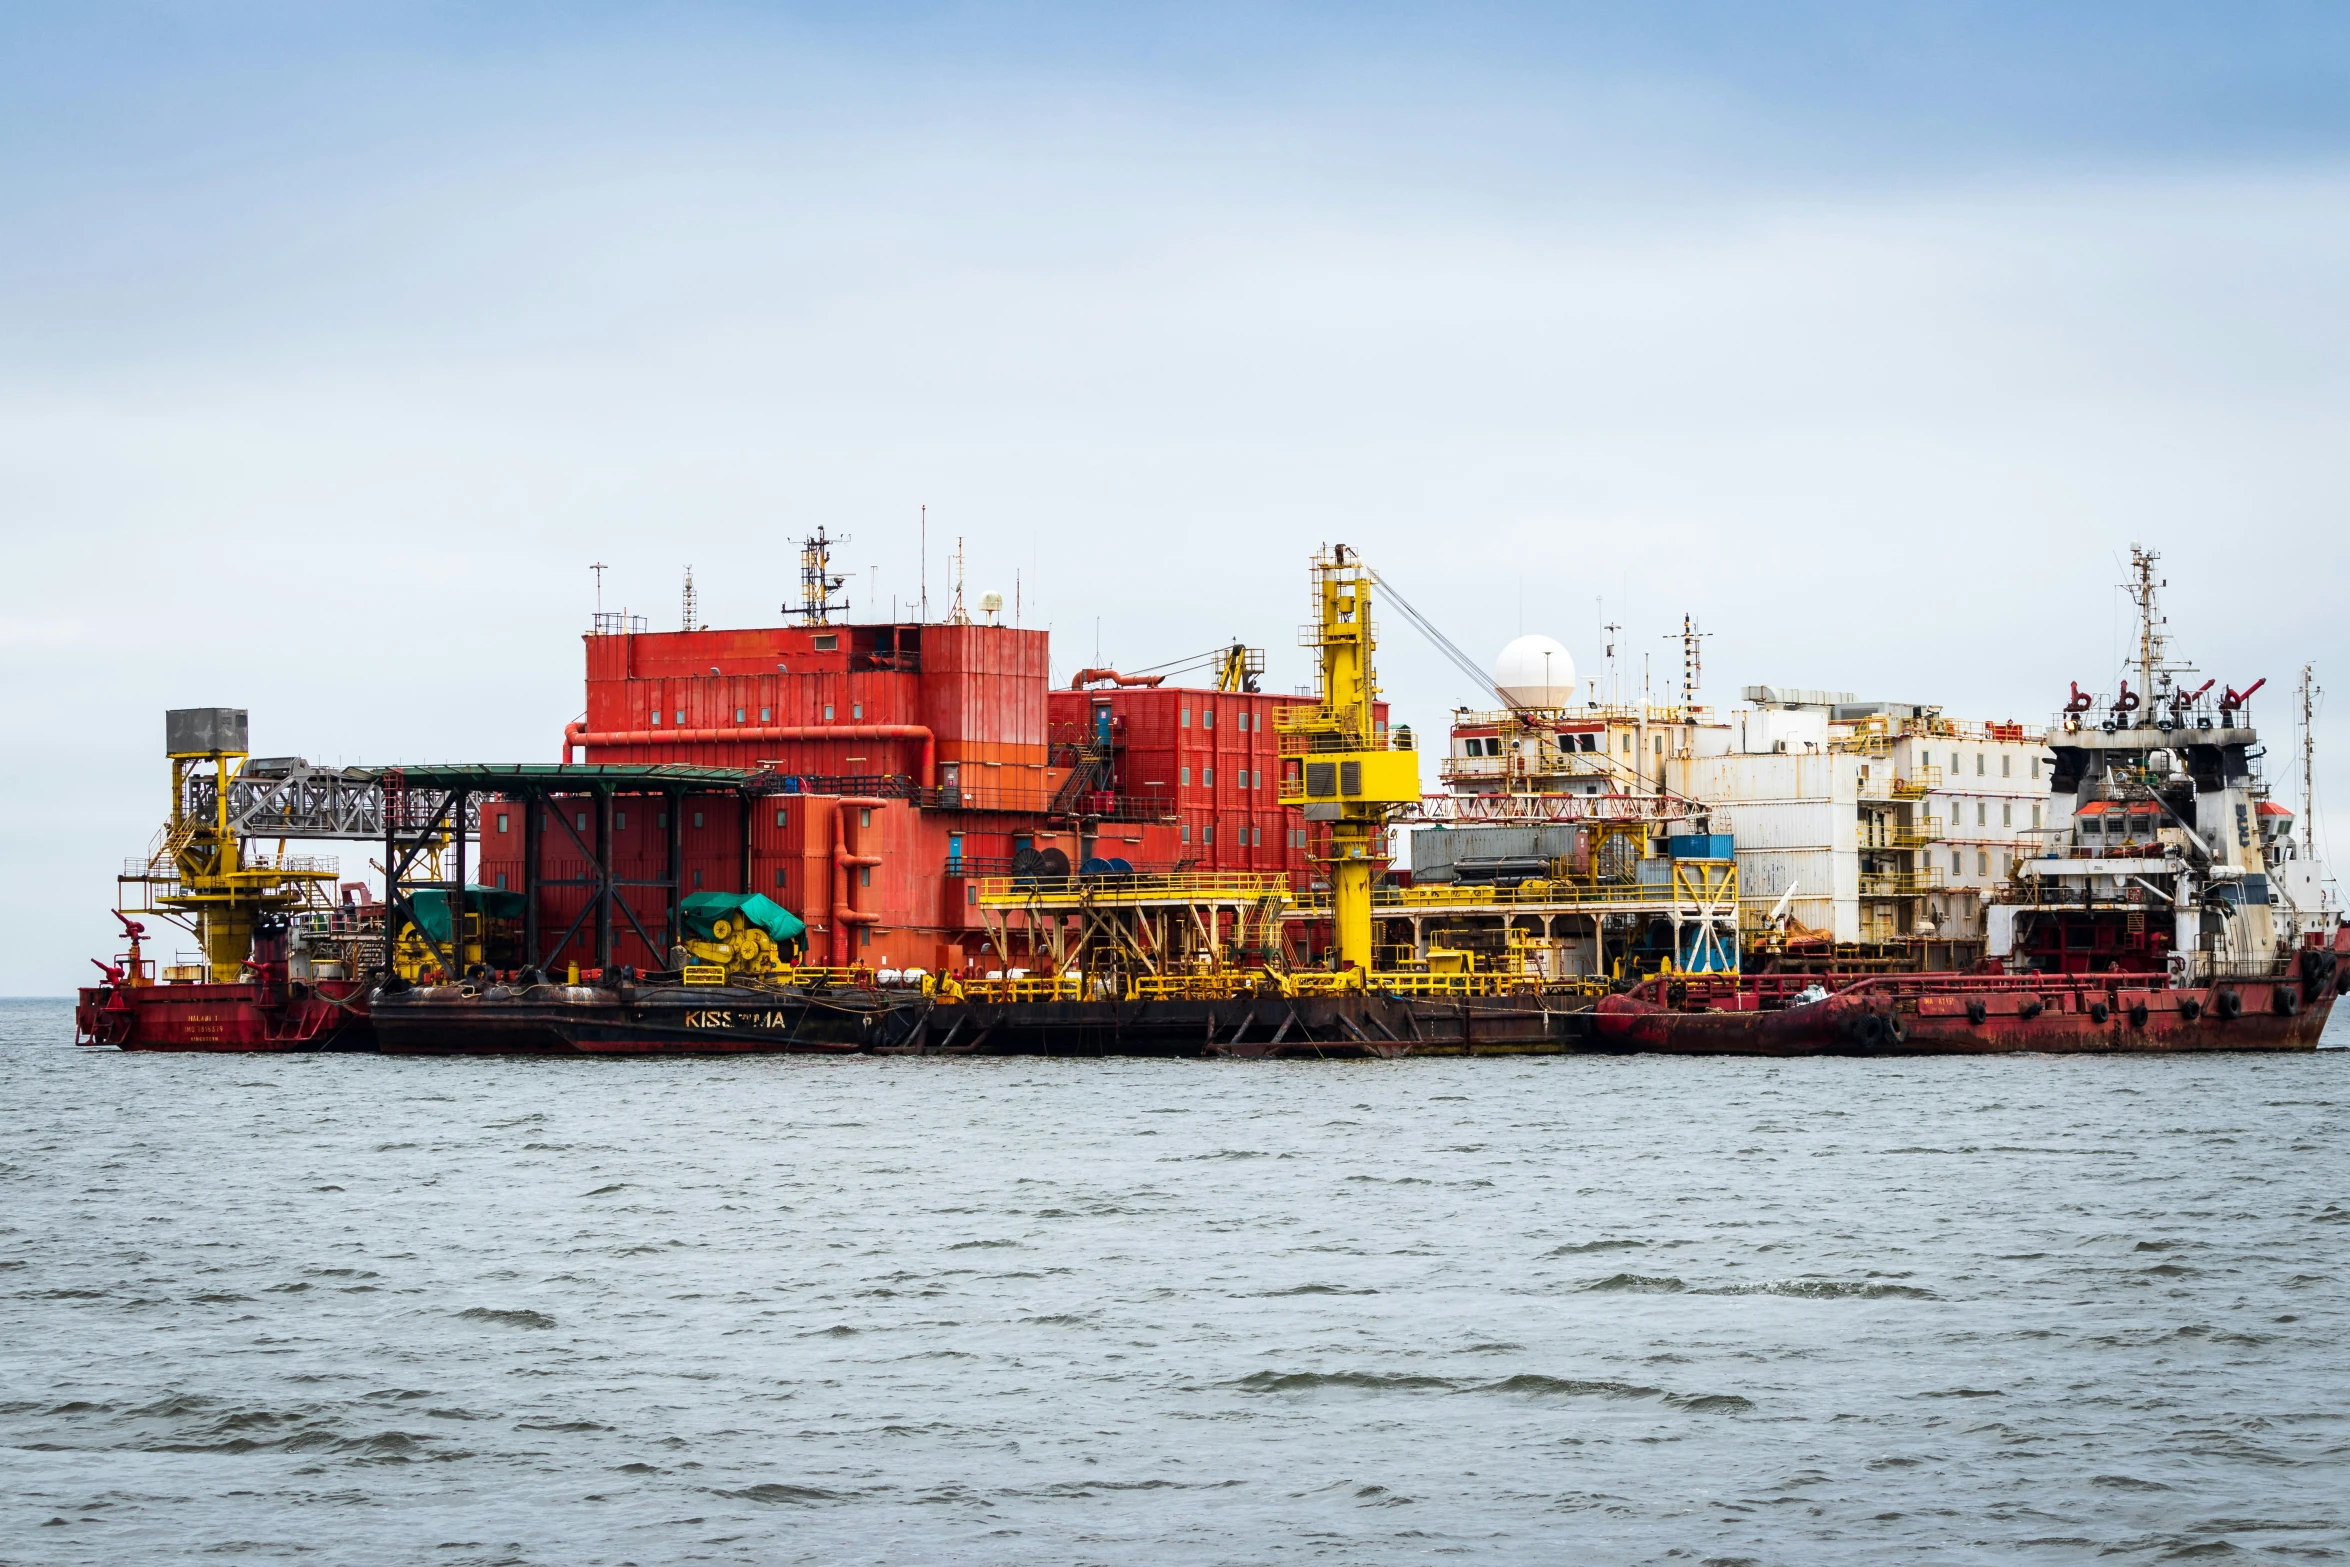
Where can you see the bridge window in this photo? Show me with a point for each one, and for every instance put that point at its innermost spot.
(856, 710)
(1186, 723)
(1982, 862)
(828, 712)
(766, 715)
(501, 821)
(580, 821)
(2006, 814)
(620, 820)
(1208, 833)
(1979, 764)
(1958, 862)
(864, 815)
(656, 718)
(697, 818)
(501, 881)
(1186, 777)
(1207, 718)
(738, 715)
(2035, 816)
(780, 876)
(1208, 777)
(783, 816)
(2006, 766)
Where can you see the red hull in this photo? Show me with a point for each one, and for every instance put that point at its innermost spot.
(242, 1017)
(1967, 1015)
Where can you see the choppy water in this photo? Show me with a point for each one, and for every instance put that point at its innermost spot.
(1610, 1310)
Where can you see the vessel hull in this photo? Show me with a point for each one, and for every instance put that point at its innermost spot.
(1990, 1022)
(223, 1018)
(581, 1020)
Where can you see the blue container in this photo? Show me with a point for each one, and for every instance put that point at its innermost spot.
(1700, 846)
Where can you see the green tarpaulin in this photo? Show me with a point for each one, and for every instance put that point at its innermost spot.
(701, 908)
(428, 907)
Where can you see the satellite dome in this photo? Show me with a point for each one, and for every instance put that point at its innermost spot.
(1535, 672)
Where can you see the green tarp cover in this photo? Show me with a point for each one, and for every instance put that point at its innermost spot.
(700, 908)
(428, 907)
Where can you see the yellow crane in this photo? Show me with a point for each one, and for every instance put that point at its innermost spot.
(200, 871)
(1337, 763)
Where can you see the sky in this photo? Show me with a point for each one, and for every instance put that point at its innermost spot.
(336, 343)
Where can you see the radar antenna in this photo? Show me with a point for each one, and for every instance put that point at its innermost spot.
(818, 581)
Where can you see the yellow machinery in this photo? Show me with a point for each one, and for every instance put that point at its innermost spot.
(738, 948)
(1337, 763)
(1238, 667)
(199, 872)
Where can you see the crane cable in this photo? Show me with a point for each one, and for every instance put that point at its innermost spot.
(1484, 683)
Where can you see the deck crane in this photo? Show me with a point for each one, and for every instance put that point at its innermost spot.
(1336, 762)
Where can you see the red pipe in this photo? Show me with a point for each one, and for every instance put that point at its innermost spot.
(577, 735)
(845, 917)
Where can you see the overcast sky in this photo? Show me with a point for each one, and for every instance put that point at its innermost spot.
(335, 345)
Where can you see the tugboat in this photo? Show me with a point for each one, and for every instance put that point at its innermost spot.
(2172, 911)
(280, 965)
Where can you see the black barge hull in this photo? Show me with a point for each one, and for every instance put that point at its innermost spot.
(705, 1020)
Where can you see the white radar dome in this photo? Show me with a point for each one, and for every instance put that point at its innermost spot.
(1535, 672)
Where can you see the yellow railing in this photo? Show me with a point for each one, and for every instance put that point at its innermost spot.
(1902, 884)
(1546, 894)
(702, 974)
(1199, 987)
(1926, 832)
(817, 974)
(1050, 987)
(1186, 887)
(1243, 984)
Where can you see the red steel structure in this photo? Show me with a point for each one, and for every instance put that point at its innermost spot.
(907, 760)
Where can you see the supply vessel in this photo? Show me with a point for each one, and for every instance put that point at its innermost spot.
(2167, 906)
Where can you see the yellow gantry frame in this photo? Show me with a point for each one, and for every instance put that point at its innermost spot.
(202, 875)
(1344, 772)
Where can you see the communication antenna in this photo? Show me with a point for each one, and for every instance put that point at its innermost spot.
(599, 568)
(1615, 678)
(959, 616)
(2155, 670)
(1692, 663)
(687, 617)
(924, 551)
(818, 581)
(2311, 691)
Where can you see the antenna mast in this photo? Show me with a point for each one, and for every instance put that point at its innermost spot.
(688, 618)
(1692, 664)
(924, 550)
(959, 617)
(818, 581)
(2310, 692)
(2153, 670)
